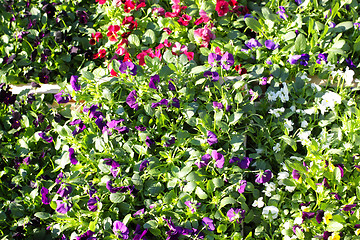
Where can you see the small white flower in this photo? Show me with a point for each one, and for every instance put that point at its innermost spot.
(283, 175)
(272, 96)
(304, 124)
(287, 225)
(315, 86)
(277, 148)
(258, 203)
(348, 76)
(290, 188)
(270, 186)
(348, 146)
(351, 102)
(284, 166)
(293, 108)
(267, 193)
(298, 220)
(310, 111)
(270, 211)
(289, 125)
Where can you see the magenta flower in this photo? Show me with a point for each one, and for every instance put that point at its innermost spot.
(237, 214)
(140, 128)
(44, 198)
(74, 83)
(264, 176)
(125, 66)
(192, 206)
(120, 230)
(149, 142)
(319, 216)
(208, 223)
(139, 212)
(214, 59)
(296, 175)
(219, 158)
(218, 105)
(139, 234)
(241, 188)
(212, 138)
(131, 100)
(282, 13)
(293, 59)
(349, 207)
(203, 36)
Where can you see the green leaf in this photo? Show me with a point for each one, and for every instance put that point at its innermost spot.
(134, 40)
(149, 37)
(227, 200)
(198, 69)
(311, 183)
(344, 26)
(200, 193)
(117, 197)
(42, 215)
(169, 57)
(334, 226)
(235, 117)
(115, 65)
(184, 171)
(221, 228)
(189, 187)
(150, 224)
(291, 142)
(88, 75)
(253, 24)
(300, 43)
(92, 226)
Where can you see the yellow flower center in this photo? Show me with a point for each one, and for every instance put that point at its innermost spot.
(327, 218)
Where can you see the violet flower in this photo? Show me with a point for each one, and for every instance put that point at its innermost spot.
(192, 206)
(64, 190)
(139, 212)
(124, 66)
(72, 157)
(149, 142)
(83, 17)
(322, 57)
(60, 98)
(78, 129)
(253, 43)
(120, 230)
(131, 100)
(208, 223)
(140, 128)
(204, 161)
(264, 177)
(307, 215)
(293, 59)
(237, 214)
(171, 86)
(218, 105)
(143, 165)
(348, 208)
(175, 102)
(319, 216)
(162, 102)
(219, 158)
(214, 59)
(44, 198)
(74, 83)
(212, 138)
(170, 142)
(92, 204)
(227, 60)
(296, 175)
(44, 75)
(62, 207)
(48, 139)
(139, 233)
(282, 13)
(59, 177)
(271, 45)
(242, 186)
(214, 75)
(304, 59)
(336, 196)
(153, 81)
(86, 236)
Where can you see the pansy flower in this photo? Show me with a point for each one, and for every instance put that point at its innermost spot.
(208, 223)
(153, 81)
(219, 159)
(242, 186)
(222, 7)
(205, 159)
(131, 100)
(143, 165)
(86, 236)
(139, 234)
(112, 30)
(92, 204)
(348, 207)
(120, 230)
(214, 75)
(237, 214)
(149, 142)
(253, 43)
(271, 45)
(227, 60)
(264, 177)
(64, 190)
(192, 206)
(128, 66)
(218, 105)
(78, 129)
(44, 198)
(184, 20)
(95, 37)
(62, 207)
(175, 102)
(282, 13)
(43, 135)
(164, 102)
(212, 138)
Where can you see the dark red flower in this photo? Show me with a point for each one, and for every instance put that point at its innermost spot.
(222, 8)
(95, 37)
(129, 6)
(112, 29)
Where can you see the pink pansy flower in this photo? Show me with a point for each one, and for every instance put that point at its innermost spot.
(112, 29)
(178, 48)
(129, 6)
(184, 20)
(100, 1)
(203, 36)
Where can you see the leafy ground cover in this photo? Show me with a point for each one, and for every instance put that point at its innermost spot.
(193, 120)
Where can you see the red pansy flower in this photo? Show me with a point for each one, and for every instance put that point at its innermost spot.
(222, 7)
(95, 38)
(112, 32)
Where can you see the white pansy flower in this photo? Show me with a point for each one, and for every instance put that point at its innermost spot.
(348, 76)
(287, 225)
(277, 148)
(348, 146)
(289, 125)
(283, 175)
(270, 211)
(298, 220)
(258, 203)
(304, 137)
(304, 124)
(290, 188)
(328, 101)
(309, 111)
(272, 96)
(315, 86)
(277, 111)
(293, 108)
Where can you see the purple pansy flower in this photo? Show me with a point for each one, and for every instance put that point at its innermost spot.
(271, 45)
(237, 214)
(170, 142)
(192, 206)
(307, 215)
(242, 186)
(114, 165)
(149, 142)
(74, 82)
(81, 126)
(86, 236)
(293, 59)
(140, 128)
(175, 102)
(153, 81)
(245, 163)
(72, 157)
(227, 60)
(175, 232)
(64, 190)
(92, 204)
(282, 13)
(60, 98)
(357, 26)
(124, 66)
(214, 75)
(139, 212)
(171, 86)
(62, 207)
(218, 105)
(350, 63)
(349, 207)
(214, 59)
(228, 108)
(204, 161)
(296, 175)
(264, 177)
(219, 158)
(326, 235)
(131, 100)
(162, 102)
(48, 139)
(139, 233)
(336, 196)
(44, 198)
(322, 57)
(144, 165)
(295, 227)
(304, 59)
(59, 178)
(208, 223)
(253, 43)
(120, 230)
(319, 216)
(212, 138)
